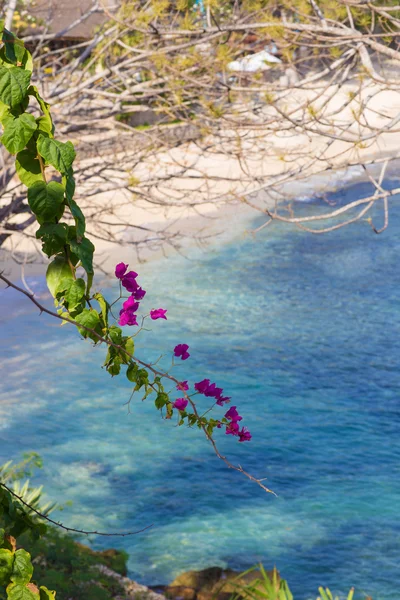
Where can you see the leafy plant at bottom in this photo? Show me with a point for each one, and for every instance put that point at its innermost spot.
(270, 587)
(16, 568)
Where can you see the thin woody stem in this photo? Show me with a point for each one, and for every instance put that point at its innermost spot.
(58, 524)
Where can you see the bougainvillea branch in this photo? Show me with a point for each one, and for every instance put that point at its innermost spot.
(120, 348)
(45, 166)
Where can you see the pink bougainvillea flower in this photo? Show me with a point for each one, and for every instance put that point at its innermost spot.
(183, 386)
(131, 304)
(120, 270)
(139, 293)
(244, 435)
(180, 403)
(127, 317)
(129, 281)
(210, 390)
(181, 350)
(233, 415)
(221, 400)
(158, 313)
(213, 391)
(202, 386)
(232, 429)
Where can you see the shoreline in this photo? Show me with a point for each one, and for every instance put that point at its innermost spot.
(208, 230)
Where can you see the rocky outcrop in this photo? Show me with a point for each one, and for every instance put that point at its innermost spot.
(212, 584)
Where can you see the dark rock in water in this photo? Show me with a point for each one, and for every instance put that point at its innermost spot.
(213, 583)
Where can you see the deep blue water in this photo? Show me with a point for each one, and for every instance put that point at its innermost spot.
(304, 333)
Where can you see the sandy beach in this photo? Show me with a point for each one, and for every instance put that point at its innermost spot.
(207, 201)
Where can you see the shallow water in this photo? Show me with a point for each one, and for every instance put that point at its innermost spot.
(304, 333)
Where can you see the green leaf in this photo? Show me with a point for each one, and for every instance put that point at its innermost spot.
(14, 51)
(56, 271)
(104, 306)
(45, 123)
(69, 184)
(161, 400)
(129, 345)
(28, 167)
(58, 154)
(75, 293)
(6, 562)
(350, 596)
(142, 379)
(16, 591)
(46, 594)
(79, 218)
(115, 334)
(89, 283)
(114, 368)
(192, 420)
(132, 372)
(18, 131)
(84, 250)
(89, 318)
(63, 287)
(46, 200)
(53, 236)
(2, 534)
(14, 84)
(22, 570)
(4, 111)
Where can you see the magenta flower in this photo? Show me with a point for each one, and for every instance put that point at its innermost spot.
(158, 313)
(129, 281)
(127, 317)
(180, 403)
(181, 350)
(232, 429)
(213, 391)
(183, 386)
(233, 415)
(130, 304)
(139, 293)
(202, 386)
(221, 400)
(120, 270)
(244, 435)
(210, 390)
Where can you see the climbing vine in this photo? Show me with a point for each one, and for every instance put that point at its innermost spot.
(45, 166)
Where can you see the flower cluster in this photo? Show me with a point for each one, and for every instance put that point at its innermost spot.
(210, 390)
(233, 426)
(128, 316)
(129, 282)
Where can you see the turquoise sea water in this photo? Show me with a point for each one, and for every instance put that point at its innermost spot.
(304, 333)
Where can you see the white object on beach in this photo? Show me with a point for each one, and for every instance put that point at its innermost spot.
(254, 62)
